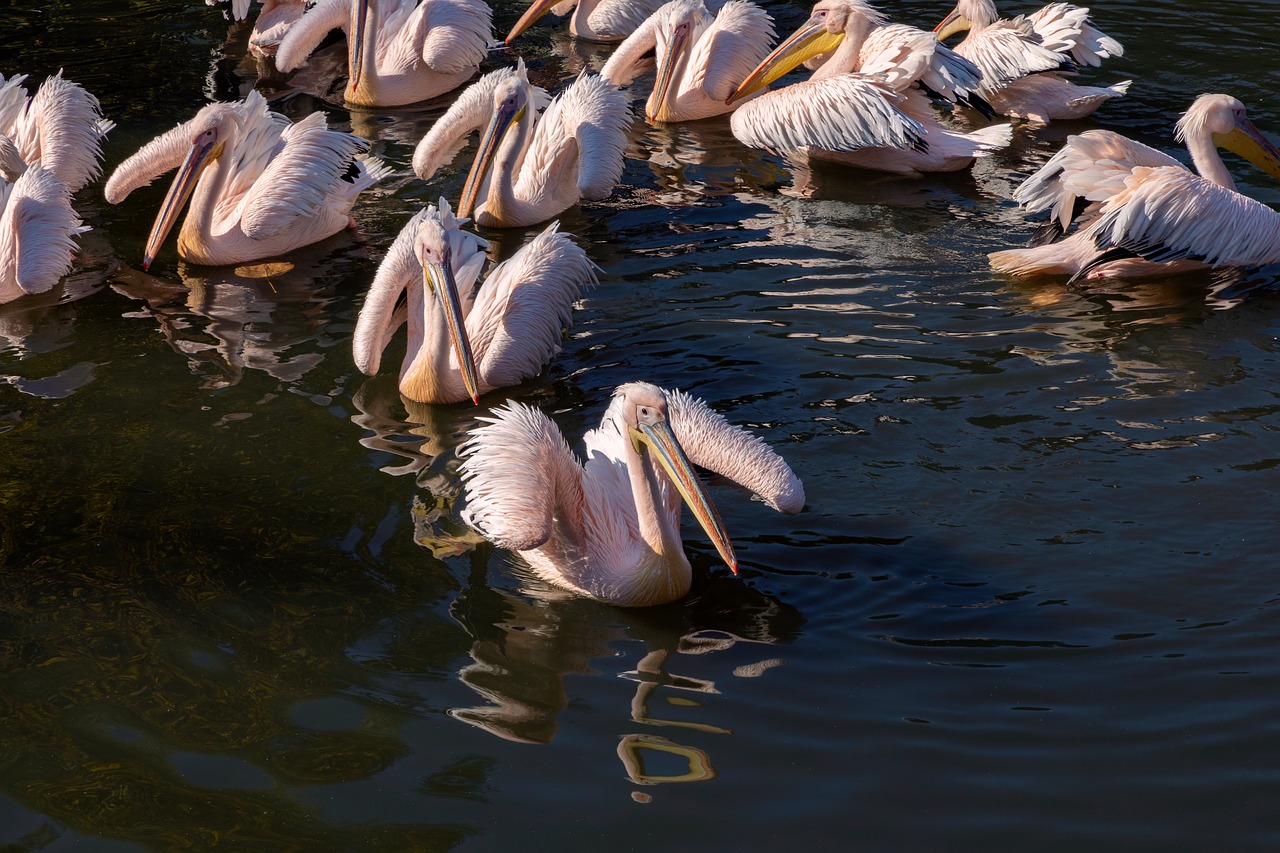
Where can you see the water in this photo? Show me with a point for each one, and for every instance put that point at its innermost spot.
(1031, 601)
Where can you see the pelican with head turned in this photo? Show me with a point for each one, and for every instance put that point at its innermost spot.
(466, 340)
(591, 20)
(59, 128)
(609, 528)
(1143, 213)
(398, 51)
(259, 185)
(538, 156)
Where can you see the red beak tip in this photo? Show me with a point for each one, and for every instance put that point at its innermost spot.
(733, 567)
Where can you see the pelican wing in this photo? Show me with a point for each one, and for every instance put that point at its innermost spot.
(373, 328)
(308, 31)
(1064, 28)
(619, 18)
(458, 33)
(1167, 213)
(525, 304)
(1007, 51)
(63, 127)
(594, 115)
(13, 103)
(712, 442)
(842, 113)
(36, 230)
(513, 469)
(907, 55)
(732, 46)
(469, 113)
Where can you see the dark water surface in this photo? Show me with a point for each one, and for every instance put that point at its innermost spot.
(1032, 602)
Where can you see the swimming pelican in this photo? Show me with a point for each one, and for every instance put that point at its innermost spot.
(60, 127)
(1020, 58)
(37, 227)
(866, 103)
(701, 58)
(1144, 213)
(398, 51)
(465, 340)
(530, 168)
(593, 20)
(259, 185)
(610, 528)
(275, 19)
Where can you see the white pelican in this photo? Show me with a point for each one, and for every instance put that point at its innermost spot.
(530, 168)
(465, 340)
(701, 58)
(867, 102)
(398, 51)
(275, 19)
(259, 185)
(60, 127)
(1144, 213)
(1020, 58)
(610, 528)
(37, 227)
(592, 20)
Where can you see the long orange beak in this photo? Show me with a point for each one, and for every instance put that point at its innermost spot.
(503, 119)
(809, 41)
(952, 24)
(672, 59)
(438, 277)
(533, 13)
(355, 41)
(202, 153)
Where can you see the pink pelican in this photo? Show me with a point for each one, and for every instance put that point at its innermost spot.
(259, 185)
(1020, 58)
(59, 128)
(866, 103)
(610, 528)
(465, 340)
(701, 58)
(536, 158)
(398, 51)
(592, 20)
(1142, 212)
(37, 230)
(275, 19)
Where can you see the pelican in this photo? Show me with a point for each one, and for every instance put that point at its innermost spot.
(592, 20)
(60, 128)
(1144, 213)
(275, 19)
(701, 58)
(259, 185)
(529, 168)
(610, 528)
(398, 51)
(464, 340)
(1020, 58)
(37, 231)
(866, 103)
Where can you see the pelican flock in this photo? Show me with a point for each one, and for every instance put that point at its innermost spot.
(881, 96)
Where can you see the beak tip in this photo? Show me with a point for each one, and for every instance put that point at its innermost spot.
(733, 567)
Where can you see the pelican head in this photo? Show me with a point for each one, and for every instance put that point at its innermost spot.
(511, 101)
(1225, 120)
(645, 413)
(208, 133)
(679, 24)
(432, 247)
(829, 24)
(967, 15)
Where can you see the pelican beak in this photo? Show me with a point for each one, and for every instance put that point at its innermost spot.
(809, 41)
(952, 24)
(1247, 141)
(438, 277)
(662, 442)
(503, 118)
(355, 41)
(203, 152)
(666, 73)
(535, 11)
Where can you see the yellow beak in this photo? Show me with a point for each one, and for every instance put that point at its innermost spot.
(671, 60)
(355, 41)
(809, 41)
(533, 13)
(1247, 141)
(184, 183)
(952, 24)
(438, 277)
(503, 119)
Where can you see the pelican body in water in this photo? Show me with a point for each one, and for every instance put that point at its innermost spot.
(60, 128)
(466, 340)
(259, 185)
(701, 57)
(275, 19)
(537, 157)
(591, 20)
(1023, 59)
(1143, 213)
(867, 101)
(37, 231)
(398, 51)
(610, 528)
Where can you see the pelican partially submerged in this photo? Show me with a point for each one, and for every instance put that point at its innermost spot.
(1143, 213)
(538, 157)
(1024, 60)
(60, 128)
(259, 185)
(702, 58)
(37, 232)
(590, 20)
(867, 102)
(466, 340)
(609, 528)
(398, 51)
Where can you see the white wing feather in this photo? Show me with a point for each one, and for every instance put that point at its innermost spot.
(1064, 28)
(620, 18)
(732, 46)
(37, 227)
(1007, 51)
(458, 33)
